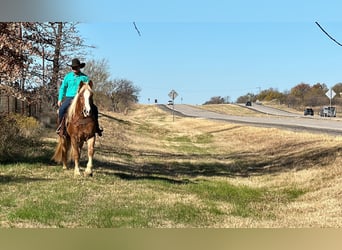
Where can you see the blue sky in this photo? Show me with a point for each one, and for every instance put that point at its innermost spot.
(203, 49)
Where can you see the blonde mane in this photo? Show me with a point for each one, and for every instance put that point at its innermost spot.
(72, 108)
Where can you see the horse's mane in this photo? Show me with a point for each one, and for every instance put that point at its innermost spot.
(73, 105)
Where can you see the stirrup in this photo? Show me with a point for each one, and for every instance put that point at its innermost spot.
(61, 133)
(58, 130)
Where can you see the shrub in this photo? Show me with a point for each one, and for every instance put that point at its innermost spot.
(17, 134)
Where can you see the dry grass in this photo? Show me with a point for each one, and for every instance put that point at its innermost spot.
(231, 109)
(153, 172)
(259, 158)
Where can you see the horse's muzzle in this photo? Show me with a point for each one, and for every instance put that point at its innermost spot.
(86, 112)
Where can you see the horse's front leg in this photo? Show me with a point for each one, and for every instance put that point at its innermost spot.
(90, 144)
(65, 151)
(76, 155)
(65, 162)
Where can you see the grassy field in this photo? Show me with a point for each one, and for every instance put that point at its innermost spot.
(151, 172)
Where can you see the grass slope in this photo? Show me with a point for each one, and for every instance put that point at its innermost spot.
(151, 172)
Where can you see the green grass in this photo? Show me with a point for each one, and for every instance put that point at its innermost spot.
(114, 217)
(54, 199)
(185, 214)
(191, 144)
(204, 138)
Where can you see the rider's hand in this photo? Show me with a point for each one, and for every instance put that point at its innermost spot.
(59, 103)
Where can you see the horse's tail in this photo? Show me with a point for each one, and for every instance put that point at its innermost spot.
(61, 149)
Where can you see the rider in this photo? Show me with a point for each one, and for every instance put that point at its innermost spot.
(68, 90)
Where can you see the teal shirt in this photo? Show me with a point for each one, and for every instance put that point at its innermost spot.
(70, 85)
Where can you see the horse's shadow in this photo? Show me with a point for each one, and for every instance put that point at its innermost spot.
(120, 121)
(231, 165)
(184, 168)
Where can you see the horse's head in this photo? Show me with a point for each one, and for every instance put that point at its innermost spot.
(81, 105)
(85, 94)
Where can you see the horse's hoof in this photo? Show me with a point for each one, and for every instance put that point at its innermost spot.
(77, 174)
(86, 174)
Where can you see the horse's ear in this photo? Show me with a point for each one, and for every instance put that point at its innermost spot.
(80, 86)
(90, 83)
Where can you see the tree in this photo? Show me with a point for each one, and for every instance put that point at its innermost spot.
(305, 95)
(117, 95)
(14, 52)
(124, 95)
(56, 43)
(300, 90)
(248, 97)
(338, 90)
(34, 56)
(316, 96)
(215, 100)
(271, 94)
(97, 70)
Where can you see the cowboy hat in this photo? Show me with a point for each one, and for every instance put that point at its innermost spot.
(76, 63)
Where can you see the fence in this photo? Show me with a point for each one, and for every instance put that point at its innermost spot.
(11, 104)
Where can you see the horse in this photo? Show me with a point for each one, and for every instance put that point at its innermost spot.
(80, 128)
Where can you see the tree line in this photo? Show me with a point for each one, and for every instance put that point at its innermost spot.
(34, 58)
(299, 96)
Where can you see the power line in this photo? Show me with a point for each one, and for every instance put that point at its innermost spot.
(136, 28)
(328, 34)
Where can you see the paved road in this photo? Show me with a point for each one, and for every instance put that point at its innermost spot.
(327, 125)
(270, 110)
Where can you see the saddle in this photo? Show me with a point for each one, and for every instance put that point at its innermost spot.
(61, 130)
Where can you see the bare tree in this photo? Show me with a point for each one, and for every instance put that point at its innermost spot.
(56, 43)
(12, 56)
(97, 70)
(124, 95)
(216, 100)
(117, 95)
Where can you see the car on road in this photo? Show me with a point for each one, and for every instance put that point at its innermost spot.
(328, 111)
(170, 102)
(308, 111)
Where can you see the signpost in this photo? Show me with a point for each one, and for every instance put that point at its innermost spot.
(330, 94)
(173, 94)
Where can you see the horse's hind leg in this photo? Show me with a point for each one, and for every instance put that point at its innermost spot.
(90, 144)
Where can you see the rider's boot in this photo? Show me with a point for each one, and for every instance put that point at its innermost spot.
(61, 130)
(98, 130)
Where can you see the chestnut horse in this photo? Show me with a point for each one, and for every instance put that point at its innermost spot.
(80, 127)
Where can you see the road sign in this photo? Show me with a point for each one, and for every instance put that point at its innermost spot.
(173, 94)
(330, 94)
